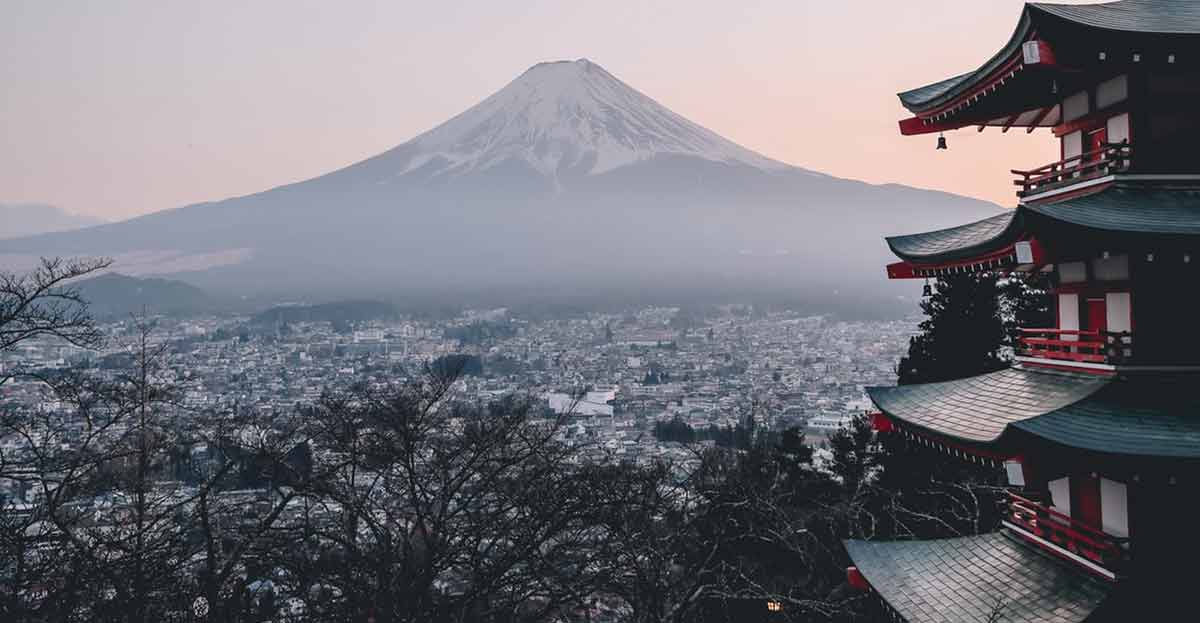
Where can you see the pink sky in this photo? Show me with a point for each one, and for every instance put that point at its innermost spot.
(125, 107)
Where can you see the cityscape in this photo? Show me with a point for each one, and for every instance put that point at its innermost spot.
(615, 375)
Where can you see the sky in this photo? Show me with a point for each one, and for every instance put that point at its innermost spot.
(124, 107)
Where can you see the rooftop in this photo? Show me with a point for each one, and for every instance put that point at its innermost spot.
(1016, 80)
(967, 578)
(1146, 16)
(957, 242)
(980, 408)
(1149, 415)
(1129, 208)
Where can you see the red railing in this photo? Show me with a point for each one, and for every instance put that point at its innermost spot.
(1062, 344)
(1110, 158)
(1073, 345)
(1043, 522)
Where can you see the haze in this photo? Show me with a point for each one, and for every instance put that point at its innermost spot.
(121, 108)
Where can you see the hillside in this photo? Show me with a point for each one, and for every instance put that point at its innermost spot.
(113, 294)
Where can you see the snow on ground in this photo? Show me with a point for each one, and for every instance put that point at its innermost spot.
(570, 115)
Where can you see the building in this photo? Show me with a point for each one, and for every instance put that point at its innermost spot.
(1098, 422)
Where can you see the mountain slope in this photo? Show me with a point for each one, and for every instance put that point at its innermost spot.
(114, 294)
(567, 178)
(568, 117)
(27, 219)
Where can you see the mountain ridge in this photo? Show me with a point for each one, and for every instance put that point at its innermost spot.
(563, 178)
(31, 219)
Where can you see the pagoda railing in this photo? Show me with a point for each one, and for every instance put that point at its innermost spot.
(1109, 158)
(1104, 550)
(1106, 347)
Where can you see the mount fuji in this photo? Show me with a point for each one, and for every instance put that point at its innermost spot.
(568, 118)
(567, 179)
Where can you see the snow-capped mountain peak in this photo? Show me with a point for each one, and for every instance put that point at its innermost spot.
(568, 116)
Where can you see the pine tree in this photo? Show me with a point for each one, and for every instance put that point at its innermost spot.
(1025, 303)
(962, 335)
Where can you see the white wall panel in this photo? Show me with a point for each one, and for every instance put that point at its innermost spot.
(1060, 495)
(1072, 272)
(1118, 128)
(1114, 507)
(1117, 309)
(1112, 91)
(1115, 268)
(1072, 147)
(1068, 314)
(1075, 106)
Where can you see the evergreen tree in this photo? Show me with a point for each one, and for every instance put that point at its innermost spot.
(1025, 303)
(962, 335)
(853, 454)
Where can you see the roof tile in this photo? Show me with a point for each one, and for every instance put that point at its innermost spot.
(963, 579)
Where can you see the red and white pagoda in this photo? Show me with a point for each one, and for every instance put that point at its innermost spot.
(1097, 424)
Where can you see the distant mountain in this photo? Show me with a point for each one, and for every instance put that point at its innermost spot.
(28, 219)
(113, 294)
(566, 180)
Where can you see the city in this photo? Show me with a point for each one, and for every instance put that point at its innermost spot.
(615, 375)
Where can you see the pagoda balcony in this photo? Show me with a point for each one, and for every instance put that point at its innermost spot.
(1095, 550)
(1109, 159)
(1096, 347)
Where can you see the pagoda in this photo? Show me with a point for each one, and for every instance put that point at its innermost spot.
(1097, 423)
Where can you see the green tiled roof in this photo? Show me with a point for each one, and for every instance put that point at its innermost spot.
(1130, 208)
(1125, 207)
(933, 95)
(915, 98)
(1144, 414)
(964, 579)
(957, 242)
(1151, 415)
(1172, 17)
(1149, 16)
(980, 408)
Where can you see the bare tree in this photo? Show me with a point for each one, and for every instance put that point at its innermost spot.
(246, 511)
(119, 524)
(91, 470)
(732, 533)
(893, 488)
(44, 303)
(428, 510)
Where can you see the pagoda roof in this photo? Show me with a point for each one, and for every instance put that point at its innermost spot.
(1145, 16)
(1138, 415)
(1126, 208)
(1000, 93)
(931, 95)
(1146, 415)
(979, 409)
(959, 242)
(967, 578)
(1130, 208)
